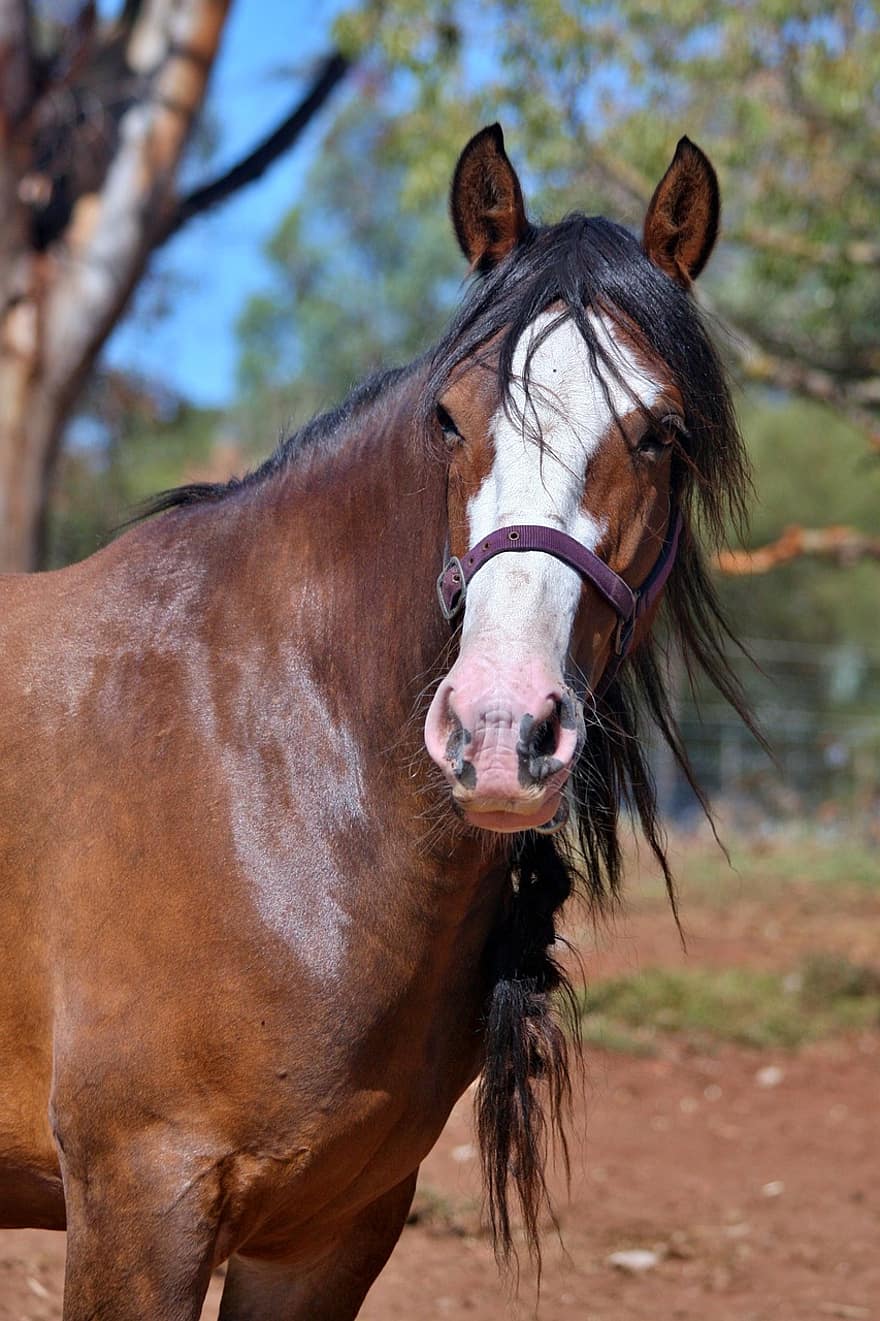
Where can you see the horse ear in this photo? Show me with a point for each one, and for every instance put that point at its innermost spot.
(682, 221)
(486, 201)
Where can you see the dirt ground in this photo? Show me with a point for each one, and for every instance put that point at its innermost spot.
(753, 1177)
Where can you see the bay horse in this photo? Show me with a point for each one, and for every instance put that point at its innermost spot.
(262, 923)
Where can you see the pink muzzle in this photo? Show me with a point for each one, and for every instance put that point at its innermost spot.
(506, 738)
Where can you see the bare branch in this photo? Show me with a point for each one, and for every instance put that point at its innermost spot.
(130, 14)
(804, 378)
(853, 400)
(814, 383)
(843, 546)
(252, 166)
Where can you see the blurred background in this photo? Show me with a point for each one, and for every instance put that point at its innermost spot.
(216, 217)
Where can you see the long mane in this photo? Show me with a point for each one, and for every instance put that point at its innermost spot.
(589, 267)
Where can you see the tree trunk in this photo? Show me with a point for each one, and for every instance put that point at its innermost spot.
(30, 424)
(59, 305)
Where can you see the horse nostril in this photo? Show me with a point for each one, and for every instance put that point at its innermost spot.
(458, 740)
(542, 740)
(538, 741)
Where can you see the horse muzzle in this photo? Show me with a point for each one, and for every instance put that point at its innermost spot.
(505, 745)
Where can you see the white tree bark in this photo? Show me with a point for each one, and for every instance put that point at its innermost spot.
(58, 306)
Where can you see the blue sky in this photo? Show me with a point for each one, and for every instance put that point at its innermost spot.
(207, 272)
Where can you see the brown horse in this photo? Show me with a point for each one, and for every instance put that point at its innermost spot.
(255, 941)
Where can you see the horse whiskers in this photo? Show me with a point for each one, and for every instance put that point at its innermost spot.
(411, 729)
(413, 726)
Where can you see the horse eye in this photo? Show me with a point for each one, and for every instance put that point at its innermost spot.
(674, 422)
(447, 426)
(660, 434)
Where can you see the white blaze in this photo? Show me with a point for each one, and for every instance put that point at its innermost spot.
(516, 597)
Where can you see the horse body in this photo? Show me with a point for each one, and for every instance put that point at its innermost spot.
(189, 680)
(256, 944)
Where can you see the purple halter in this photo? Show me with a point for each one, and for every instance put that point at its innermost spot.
(629, 603)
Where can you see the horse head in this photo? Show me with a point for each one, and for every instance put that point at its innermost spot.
(563, 398)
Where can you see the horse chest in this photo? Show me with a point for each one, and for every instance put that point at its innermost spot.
(349, 1123)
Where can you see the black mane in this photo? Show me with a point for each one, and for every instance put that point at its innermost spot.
(321, 434)
(588, 265)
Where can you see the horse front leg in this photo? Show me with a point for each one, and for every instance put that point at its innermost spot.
(140, 1242)
(333, 1289)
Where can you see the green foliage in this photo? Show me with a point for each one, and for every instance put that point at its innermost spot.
(810, 467)
(825, 995)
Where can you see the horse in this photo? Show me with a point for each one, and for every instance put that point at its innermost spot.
(298, 772)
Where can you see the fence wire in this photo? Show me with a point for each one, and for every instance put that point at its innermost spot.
(820, 710)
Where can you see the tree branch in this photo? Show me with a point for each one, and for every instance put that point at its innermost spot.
(812, 383)
(844, 546)
(806, 378)
(855, 401)
(110, 236)
(256, 162)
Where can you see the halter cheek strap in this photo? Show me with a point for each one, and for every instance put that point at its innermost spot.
(628, 603)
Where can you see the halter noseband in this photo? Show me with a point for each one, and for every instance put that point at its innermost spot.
(628, 603)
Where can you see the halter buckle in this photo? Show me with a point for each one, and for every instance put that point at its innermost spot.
(454, 573)
(623, 634)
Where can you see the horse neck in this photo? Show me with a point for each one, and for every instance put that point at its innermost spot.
(368, 533)
(356, 540)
